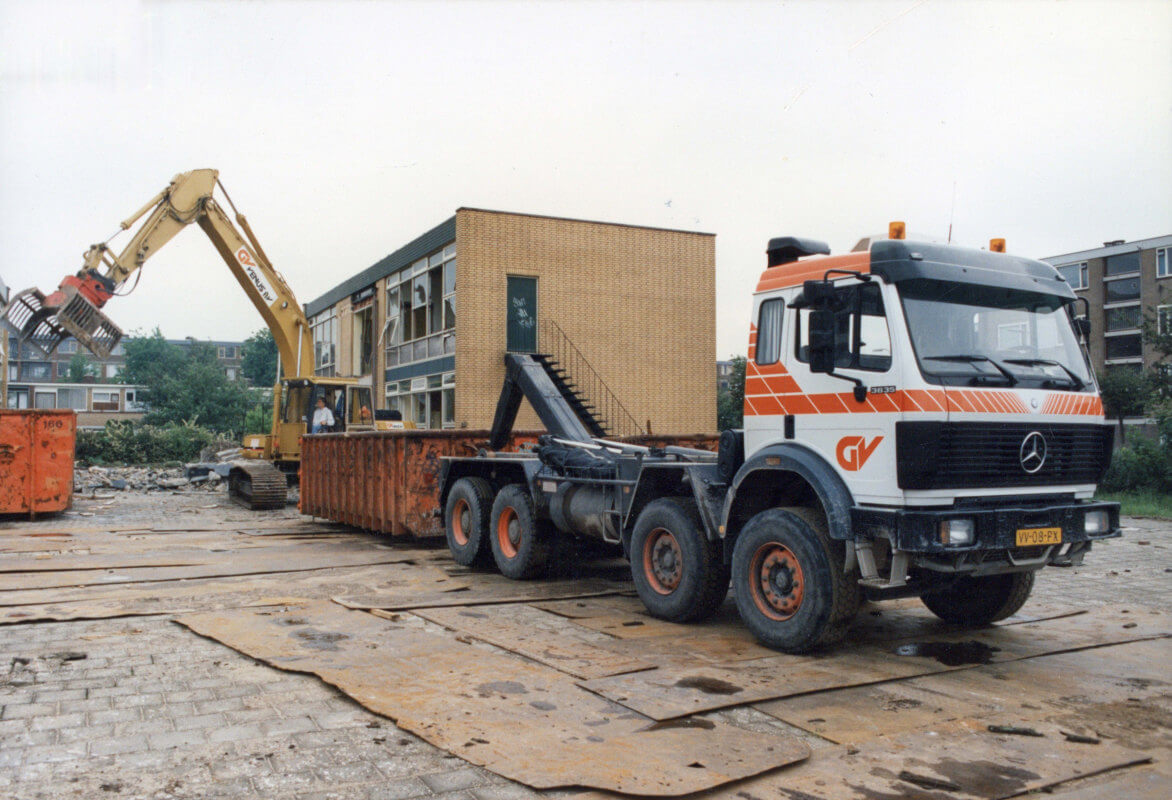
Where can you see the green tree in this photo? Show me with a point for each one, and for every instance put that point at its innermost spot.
(259, 364)
(1125, 392)
(184, 385)
(1160, 341)
(80, 368)
(730, 402)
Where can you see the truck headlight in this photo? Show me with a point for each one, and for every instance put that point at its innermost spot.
(957, 532)
(1097, 522)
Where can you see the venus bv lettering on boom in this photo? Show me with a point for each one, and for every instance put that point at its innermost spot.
(245, 258)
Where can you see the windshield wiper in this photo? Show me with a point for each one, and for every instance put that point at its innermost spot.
(1009, 376)
(1076, 382)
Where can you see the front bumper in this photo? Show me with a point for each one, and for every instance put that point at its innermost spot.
(917, 531)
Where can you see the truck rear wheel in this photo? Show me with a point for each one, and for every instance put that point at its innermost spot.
(520, 543)
(979, 601)
(678, 572)
(789, 582)
(466, 521)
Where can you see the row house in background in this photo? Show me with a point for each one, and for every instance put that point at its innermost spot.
(628, 312)
(38, 382)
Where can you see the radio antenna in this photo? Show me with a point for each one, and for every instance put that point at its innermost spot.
(952, 213)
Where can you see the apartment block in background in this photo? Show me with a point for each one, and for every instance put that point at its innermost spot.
(1122, 281)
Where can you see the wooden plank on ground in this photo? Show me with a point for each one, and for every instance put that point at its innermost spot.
(957, 761)
(539, 636)
(476, 589)
(524, 721)
(1018, 693)
(684, 688)
(99, 602)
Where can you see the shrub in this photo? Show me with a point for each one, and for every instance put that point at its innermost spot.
(259, 419)
(130, 443)
(1142, 465)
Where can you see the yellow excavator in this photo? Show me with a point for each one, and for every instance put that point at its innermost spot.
(260, 477)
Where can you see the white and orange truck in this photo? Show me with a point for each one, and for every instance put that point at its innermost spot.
(920, 420)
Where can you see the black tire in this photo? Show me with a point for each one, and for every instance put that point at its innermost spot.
(979, 601)
(679, 574)
(520, 543)
(466, 522)
(805, 601)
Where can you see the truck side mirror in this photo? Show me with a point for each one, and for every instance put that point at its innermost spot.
(822, 345)
(818, 293)
(1083, 326)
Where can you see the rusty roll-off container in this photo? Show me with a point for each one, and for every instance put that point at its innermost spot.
(36, 460)
(388, 481)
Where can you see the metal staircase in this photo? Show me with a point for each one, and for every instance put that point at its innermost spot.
(587, 394)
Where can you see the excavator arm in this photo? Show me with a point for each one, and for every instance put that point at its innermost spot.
(75, 308)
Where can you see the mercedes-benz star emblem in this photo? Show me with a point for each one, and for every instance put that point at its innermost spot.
(1033, 452)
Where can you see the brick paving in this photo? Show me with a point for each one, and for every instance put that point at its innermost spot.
(139, 707)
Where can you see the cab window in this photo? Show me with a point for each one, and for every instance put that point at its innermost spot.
(769, 332)
(862, 337)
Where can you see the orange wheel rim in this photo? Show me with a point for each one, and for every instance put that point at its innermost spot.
(508, 532)
(776, 581)
(663, 563)
(461, 521)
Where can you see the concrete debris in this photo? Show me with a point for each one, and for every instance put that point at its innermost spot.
(223, 450)
(144, 479)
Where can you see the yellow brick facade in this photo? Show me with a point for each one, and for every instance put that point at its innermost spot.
(639, 303)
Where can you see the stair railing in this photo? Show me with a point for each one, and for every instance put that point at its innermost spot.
(608, 409)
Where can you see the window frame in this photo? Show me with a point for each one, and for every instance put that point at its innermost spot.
(1164, 258)
(1108, 330)
(1119, 337)
(777, 330)
(403, 345)
(1083, 274)
(1108, 301)
(854, 328)
(1160, 315)
(1130, 273)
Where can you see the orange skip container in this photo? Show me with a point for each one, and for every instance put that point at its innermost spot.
(36, 460)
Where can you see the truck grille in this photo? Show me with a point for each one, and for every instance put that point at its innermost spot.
(961, 455)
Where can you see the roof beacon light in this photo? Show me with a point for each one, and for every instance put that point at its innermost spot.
(997, 245)
(896, 230)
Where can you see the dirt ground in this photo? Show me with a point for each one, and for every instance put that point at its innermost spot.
(171, 645)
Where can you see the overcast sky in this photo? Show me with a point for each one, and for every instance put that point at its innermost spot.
(344, 130)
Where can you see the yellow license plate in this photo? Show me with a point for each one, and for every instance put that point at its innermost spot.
(1028, 537)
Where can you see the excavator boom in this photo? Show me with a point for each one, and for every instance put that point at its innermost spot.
(75, 308)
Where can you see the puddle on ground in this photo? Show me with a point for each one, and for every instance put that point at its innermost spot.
(950, 654)
(321, 640)
(687, 722)
(709, 685)
(502, 687)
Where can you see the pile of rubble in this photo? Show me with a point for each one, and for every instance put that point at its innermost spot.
(145, 479)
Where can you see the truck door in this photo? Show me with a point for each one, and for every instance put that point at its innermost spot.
(857, 438)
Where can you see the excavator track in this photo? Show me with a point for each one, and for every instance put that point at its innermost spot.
(257, 485)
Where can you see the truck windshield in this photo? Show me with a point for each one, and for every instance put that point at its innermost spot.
(964, 334)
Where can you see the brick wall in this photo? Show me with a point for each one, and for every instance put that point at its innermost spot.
(639, 303)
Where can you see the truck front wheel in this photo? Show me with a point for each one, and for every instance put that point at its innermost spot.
(678, 572)
(520, 543)
(789, 582)
(979, 601)
(466, 521)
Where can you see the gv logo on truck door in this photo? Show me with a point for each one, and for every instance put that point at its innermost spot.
(853, 451)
